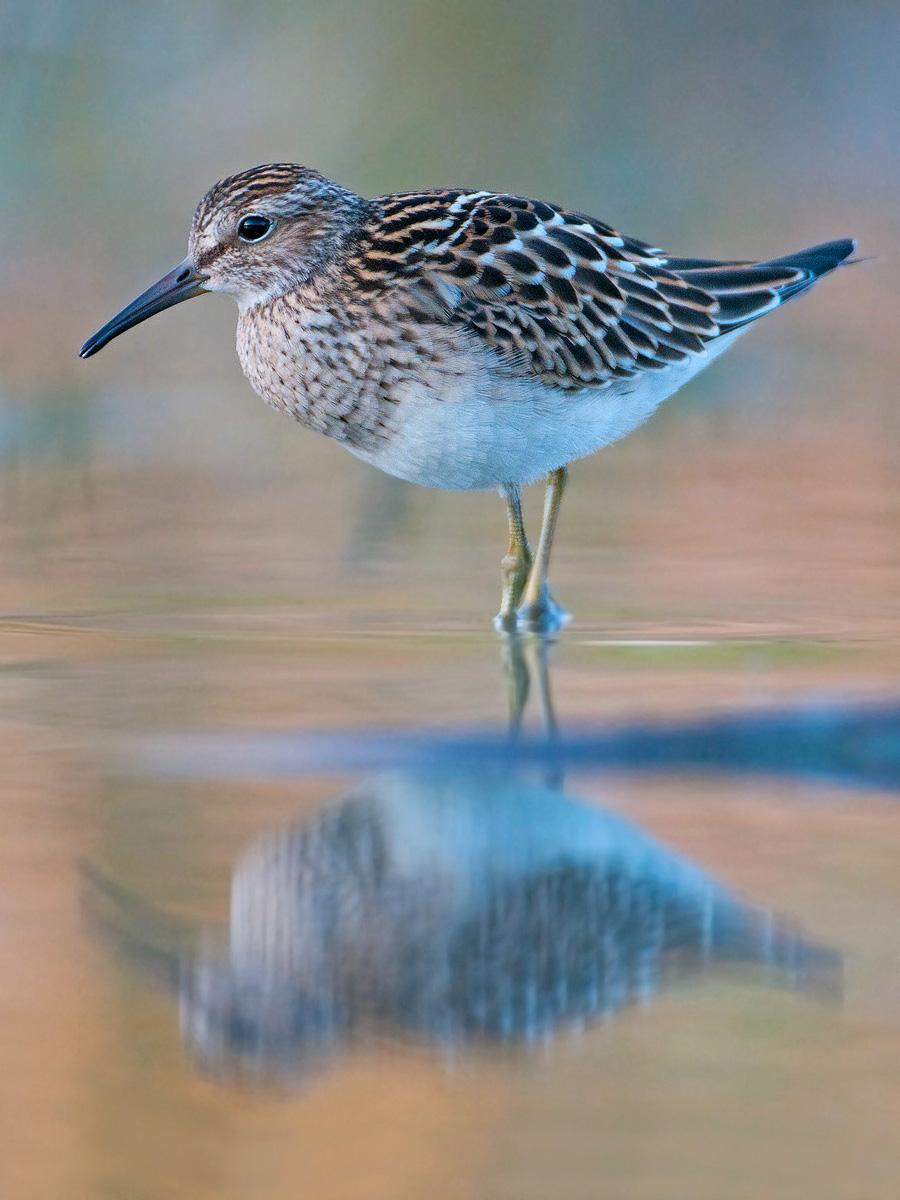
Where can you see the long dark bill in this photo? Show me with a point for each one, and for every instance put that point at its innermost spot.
(181, 284)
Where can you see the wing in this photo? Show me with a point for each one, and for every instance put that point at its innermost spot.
(562, 295)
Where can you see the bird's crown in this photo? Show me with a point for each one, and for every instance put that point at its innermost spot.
(262, 232)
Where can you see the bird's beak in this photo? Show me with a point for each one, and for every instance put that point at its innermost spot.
(181, 284)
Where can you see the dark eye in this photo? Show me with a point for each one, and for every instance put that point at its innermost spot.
(253, 228)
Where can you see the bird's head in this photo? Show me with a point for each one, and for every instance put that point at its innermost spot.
(255, 236)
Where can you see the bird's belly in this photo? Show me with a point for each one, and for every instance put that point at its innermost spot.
(476, 442)
(514, 433)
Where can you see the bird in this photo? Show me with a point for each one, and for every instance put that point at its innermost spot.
(463, 339)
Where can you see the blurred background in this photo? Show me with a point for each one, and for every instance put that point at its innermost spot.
(175, 557)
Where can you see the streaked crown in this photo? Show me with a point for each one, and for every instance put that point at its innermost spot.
(266, 231)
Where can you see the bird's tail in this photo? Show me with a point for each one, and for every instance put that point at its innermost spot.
(746, 290)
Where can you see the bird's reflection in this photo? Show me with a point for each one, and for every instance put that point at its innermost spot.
(456, 907)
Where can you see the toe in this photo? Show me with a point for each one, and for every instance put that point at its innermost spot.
(506, 621)
(544, 616)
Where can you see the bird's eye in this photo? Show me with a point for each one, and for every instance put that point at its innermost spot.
(254, 228)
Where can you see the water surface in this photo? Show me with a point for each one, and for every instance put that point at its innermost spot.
(287, 908)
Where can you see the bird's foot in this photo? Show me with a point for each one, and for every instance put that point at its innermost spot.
(541, 618)
(506, 622)
(514, 571)
(542, 615)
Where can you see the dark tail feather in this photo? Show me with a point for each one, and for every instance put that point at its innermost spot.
(747, 290)
(819, 259)
(816, 262)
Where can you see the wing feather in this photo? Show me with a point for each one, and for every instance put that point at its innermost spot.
(561, 295)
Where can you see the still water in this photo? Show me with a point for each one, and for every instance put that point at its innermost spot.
(332, 902)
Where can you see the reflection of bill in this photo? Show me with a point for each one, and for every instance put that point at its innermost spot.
(454, 908)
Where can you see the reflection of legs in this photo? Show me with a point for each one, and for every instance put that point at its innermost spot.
(518, 680)
(538, 610)
(515, 567)
(526, 661)
(538, 655)
(537, 652)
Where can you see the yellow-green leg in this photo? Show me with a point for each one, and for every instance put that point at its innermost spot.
(515, 567)
(538, 611)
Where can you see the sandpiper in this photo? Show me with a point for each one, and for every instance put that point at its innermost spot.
(462, 339)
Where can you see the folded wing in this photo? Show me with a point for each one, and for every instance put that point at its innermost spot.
(567, 298)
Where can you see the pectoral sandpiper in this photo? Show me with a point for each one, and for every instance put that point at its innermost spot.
(462, 339)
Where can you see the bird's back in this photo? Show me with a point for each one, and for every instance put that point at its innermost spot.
(562, 295)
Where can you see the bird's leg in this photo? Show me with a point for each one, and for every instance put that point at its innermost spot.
(515, 567)
(538, 611)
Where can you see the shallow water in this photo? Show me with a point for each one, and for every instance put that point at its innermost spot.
(288, 910)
